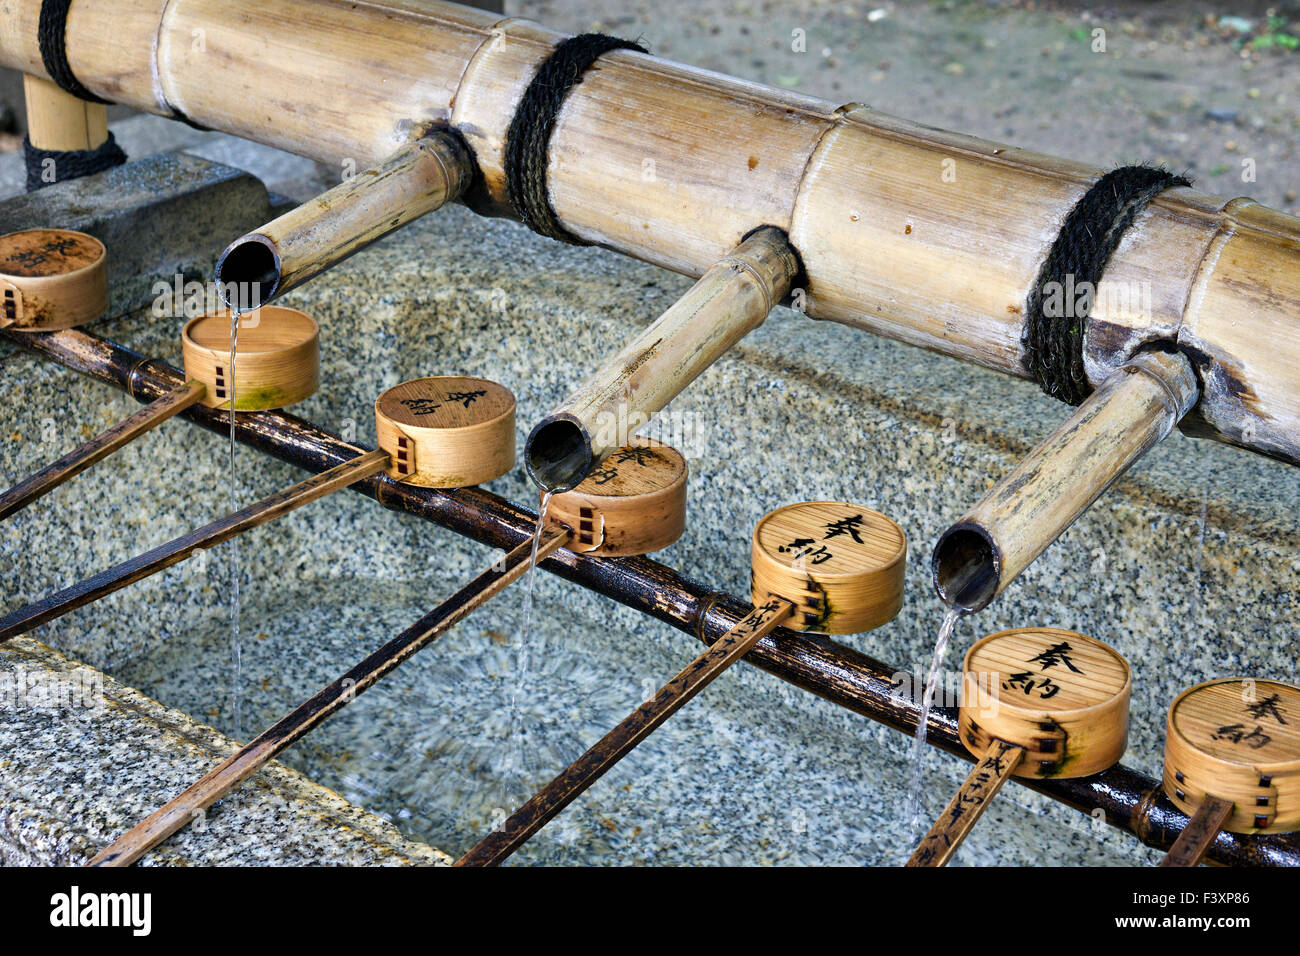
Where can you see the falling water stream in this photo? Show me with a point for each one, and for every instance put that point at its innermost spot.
(236, 650)
(915, 810)
(514, 728)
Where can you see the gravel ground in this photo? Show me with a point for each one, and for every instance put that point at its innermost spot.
(1176, 83)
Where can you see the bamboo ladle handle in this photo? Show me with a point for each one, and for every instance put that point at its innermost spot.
(99, 447)
(227, 775)
(173, 552)
(984, 781)
(636, 727)
(1199, 833)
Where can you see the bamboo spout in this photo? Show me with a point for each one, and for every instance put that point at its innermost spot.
(1133, 410)
(416, 179)
(730, 300)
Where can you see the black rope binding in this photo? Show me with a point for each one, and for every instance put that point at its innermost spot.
(529, 136)
(70, 163)
(1090, 234)
(50, 34)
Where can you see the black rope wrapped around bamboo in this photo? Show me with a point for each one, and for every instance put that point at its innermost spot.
(1129, 800)
(45, 167)
(51, 35)
(529, 135)
(1090, 234)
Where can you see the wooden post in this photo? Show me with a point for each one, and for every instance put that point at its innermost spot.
(988, 547)
(730, 300)
(230, 773)
(1201, 830)
(60, 121)
(416, 179)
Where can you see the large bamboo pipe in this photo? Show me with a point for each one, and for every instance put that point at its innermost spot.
(1125, 798)
(928, 237)
(730, 301)
(416, 179)
(988, 547)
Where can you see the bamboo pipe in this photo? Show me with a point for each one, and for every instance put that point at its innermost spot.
(962, 223)
(416, 179)
(730, 301)
(100, 447)
(230, 773)
(59, 121)
(173, 552)
(1121, 797)
(575, 779)
(1132, 411)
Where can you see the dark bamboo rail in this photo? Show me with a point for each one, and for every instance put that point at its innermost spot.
(1130, 800)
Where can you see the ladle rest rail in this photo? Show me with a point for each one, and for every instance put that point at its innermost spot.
(1131, 800)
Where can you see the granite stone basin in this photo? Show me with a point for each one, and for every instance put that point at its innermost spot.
(1190, 567)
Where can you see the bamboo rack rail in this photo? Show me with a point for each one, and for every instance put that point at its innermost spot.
(925, 236)
(1130, 800)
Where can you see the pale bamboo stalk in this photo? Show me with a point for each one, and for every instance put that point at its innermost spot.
(99, 447)
(1133, 410)
(1200, 832)
(173, 552)
(234, 770)
(418, 178)
(925, 236)
(60, 121)
(968, 804)
(619, 399)
(525, 822)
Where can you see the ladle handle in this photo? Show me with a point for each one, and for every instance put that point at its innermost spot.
(173, 552)
(220, 780)
(615, 745)
(992, 771)
(99, 447)
(1199, 833)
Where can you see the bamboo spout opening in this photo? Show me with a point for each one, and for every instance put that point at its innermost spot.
(729, 301)
(248, 272)
(558, 454)
(966, 567)
(1131, 412)
(416, 179)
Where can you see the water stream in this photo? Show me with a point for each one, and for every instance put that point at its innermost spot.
(915, 812)
(515, 741)
(236, 649)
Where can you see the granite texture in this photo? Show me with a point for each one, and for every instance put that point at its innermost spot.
(1190, 567)
(85, 757)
